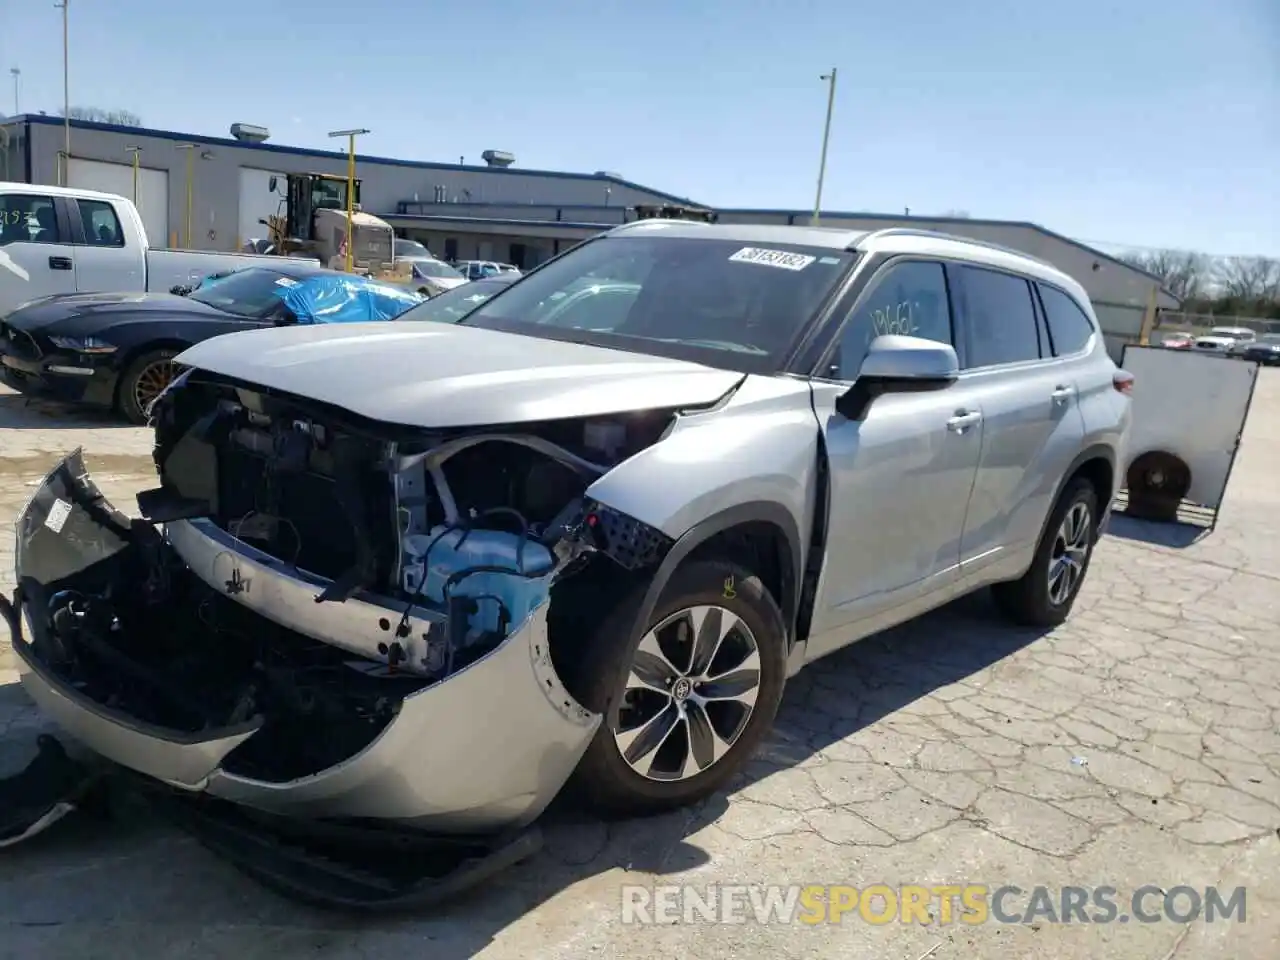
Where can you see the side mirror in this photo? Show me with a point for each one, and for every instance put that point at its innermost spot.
(896, 364)
(271, 185)
(285, 317)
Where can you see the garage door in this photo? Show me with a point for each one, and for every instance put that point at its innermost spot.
(153, 191)
(257, 202)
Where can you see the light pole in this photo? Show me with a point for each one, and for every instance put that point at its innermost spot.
(351, 183)
(15, 73)
(134, 150)
(826, 136)
(191, 177)
(66, 91)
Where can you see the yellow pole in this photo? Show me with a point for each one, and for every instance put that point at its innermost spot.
(191, 173)
(351, 194)
(134, 151)
(1149, 318)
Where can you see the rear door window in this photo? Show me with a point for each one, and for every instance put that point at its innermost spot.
(101, 225)
(999, 316)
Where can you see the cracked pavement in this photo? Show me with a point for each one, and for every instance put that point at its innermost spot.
(1137, 744)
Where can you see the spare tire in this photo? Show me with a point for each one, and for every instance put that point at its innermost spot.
(1158, 482)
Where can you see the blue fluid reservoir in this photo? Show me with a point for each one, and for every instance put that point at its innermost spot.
(433, 558)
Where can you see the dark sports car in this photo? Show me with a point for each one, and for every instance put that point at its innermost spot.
(116, 350)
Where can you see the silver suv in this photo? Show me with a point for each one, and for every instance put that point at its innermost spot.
(430, 572)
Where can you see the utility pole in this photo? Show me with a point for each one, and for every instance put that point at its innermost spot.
(15, 72)
(66, 92)
(826, 137)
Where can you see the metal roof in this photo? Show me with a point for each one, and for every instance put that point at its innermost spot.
(280, 148)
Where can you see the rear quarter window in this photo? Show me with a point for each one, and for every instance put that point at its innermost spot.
(1069, 326)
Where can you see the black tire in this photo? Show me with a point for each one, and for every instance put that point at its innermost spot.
(1027, 600)
(138, 382)
(603, 779)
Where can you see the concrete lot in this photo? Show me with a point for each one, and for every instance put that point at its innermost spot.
(1138, 744)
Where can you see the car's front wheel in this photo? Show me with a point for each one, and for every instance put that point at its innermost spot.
(688, 704)
(1043, 597)
(144, 379)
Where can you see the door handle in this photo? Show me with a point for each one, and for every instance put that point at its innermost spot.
(59, 263)
(1061, 393)
(963, 420)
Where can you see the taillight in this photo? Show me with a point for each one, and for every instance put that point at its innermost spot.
(1122, 380)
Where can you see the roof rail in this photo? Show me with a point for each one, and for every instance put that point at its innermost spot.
(940, 235)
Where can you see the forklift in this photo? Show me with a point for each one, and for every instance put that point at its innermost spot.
(314, 223)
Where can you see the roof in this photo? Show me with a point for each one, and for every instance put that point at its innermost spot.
(828, 238)
(279, 148)
(50, 191)
(974, 221)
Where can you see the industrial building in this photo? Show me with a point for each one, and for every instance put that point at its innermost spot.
(211, 192)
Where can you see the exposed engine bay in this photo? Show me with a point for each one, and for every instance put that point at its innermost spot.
(314, 572)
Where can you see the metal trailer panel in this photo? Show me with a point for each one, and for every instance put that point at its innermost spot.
(153, 191)
(1191, 405)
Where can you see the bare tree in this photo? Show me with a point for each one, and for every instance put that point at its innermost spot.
(1249, 278)
(1184, 273)
(121, 118)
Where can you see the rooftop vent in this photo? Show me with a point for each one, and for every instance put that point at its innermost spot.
(609, 173)
(248, 133)
(498, 158)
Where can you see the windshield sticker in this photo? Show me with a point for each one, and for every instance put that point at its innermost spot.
(772, 258)
(829, 260)
(56, 518)
(286, 282)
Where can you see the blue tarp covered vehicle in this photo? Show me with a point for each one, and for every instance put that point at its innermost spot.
(345, 298)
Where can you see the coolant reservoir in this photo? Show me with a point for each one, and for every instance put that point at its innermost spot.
(432, 559)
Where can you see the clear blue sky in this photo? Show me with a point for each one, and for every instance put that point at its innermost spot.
(1143, 122)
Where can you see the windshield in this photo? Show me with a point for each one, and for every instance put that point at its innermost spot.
(253, 293)
(434, 268)
(720, 302)
(411, 248)
(452, 305)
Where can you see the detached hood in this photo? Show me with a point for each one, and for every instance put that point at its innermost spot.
(441, 375)
(86, 313)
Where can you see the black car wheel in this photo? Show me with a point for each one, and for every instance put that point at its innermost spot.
(687, 705)
(143, 380)
(1044, 595)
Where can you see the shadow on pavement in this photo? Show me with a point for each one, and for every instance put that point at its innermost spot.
(1179, 534)
(124, 869)
(24, 413)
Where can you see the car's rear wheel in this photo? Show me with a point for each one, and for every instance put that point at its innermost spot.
(689, 702)
(1044, 595)
(143, 380)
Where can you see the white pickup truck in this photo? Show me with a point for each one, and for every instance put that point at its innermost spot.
(64, 240)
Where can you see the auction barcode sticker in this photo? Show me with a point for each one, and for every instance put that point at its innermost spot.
(56, 518)
(773, 258)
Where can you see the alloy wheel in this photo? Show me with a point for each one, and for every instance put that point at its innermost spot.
(151, 382)
(1070, 551)
(689, 694)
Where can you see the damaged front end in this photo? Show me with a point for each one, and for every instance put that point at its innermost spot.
(339, 624)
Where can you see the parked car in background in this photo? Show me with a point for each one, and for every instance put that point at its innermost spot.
(427, 575)
(1240, 337)
(434, 277)
(410, 250)
(117, 350)
(478, 269)
(1265, 350)
(452, 305)
(59, 240)
(1177, 341)
(1213, 344)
